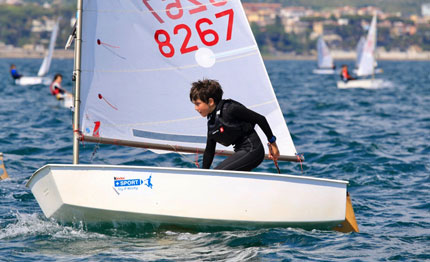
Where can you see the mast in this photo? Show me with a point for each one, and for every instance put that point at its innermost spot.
(77, 75)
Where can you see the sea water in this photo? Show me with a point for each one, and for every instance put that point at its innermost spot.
(378, 140)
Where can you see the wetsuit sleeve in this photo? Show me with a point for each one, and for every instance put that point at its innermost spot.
(209, 154)
(244, 114)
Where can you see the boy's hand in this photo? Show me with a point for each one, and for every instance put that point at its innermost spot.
(273, 151)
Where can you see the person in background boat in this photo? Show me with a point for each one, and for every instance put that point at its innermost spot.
(14, 73)
(344, 74)
(56, 89)
(231, 123)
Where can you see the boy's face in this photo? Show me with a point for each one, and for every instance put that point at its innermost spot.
(203, 108)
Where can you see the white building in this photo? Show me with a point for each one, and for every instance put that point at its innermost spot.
(425, 9)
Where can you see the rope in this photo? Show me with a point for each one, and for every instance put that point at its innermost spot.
(274, 160)
(300, 160)
(187, 159)
(197, 158)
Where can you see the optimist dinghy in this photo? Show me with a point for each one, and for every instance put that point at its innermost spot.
(367, 62)
(41, 79)
(132, 56)
(325, 60)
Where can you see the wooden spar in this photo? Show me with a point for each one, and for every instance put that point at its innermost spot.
(184, 149)
(3, 173)
(77, 74)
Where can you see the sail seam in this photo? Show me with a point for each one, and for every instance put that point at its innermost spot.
(252, 52)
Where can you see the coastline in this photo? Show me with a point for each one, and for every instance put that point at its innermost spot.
(337, 55)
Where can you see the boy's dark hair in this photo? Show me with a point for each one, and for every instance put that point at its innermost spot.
(57, 75)
(205, 89)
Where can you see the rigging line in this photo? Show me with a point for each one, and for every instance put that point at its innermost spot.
(275, 161)
(148, 11)
(251, 52)
(175, 149)
(299, 158)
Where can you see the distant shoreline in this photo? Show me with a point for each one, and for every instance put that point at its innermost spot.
(337, 55)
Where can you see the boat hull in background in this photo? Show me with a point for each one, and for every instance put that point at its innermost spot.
(33, 80)
(187, 197)
(361, 83)
(67, 100)
(324, 71)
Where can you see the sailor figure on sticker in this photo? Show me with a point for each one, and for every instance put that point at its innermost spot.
(148, 182)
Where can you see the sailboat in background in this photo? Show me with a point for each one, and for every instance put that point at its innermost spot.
(152, 51)
(367, 62)
(40, 79)
(359, 52)
(325, 60)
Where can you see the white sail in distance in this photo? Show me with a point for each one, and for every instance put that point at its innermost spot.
(325, 59)
(359, 50)
(139, 58)
(46, 64)
(367, 61)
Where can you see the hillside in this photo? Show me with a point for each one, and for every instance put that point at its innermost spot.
(406, 7)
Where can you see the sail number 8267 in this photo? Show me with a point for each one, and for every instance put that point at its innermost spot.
(208, 37)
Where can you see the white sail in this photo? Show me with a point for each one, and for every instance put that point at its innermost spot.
(367, 61)
(325, 59)
(139, 59)
(44, 68)
(359, 50)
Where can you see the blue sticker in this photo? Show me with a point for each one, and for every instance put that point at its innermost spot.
(121, 182)
(128, 182)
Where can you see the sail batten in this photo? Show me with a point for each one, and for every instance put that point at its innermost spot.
(132, 89)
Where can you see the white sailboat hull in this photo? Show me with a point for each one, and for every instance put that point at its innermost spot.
(324, 71)
(33, 80)
(101, 193)
(360, 83)
(67, 100)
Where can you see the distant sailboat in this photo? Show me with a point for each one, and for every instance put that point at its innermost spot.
(40, 79)
(151, 52)
(325, 60)
(359, 51)
(366, 65)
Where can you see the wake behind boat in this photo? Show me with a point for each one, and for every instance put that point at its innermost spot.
(177, 45)
(41, 79)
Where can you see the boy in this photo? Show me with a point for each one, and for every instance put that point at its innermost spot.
(231, 123)
(344, 74)
(55, 87)
(14, 73)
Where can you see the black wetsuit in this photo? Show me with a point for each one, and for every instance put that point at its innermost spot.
(249, 151)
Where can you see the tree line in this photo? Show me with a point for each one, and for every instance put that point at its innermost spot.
(16, 25)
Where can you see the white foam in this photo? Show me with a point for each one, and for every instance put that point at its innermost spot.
(34, 224)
